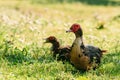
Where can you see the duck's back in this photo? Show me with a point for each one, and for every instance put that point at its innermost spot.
(94, 53)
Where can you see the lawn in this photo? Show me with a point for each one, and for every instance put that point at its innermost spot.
(25, 23)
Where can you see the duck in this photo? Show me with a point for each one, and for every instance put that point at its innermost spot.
(83, 57)
(56, 49)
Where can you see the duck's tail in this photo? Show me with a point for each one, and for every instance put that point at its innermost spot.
(103, 51)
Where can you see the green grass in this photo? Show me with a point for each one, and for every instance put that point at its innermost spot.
(23, 25)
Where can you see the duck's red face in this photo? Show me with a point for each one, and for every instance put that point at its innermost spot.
(50, 39)
(74, 28)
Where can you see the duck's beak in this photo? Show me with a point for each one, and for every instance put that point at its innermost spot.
(68, 31)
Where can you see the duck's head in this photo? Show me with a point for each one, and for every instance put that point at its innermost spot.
(76, 28)
(50, 39)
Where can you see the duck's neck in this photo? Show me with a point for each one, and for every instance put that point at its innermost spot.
(80, 42)
(79, 35)
(55, 45)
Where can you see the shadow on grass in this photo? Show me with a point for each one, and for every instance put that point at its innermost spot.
(14, 55)
(45, 59)
(14, 59)
(17, 56)
(27, 55)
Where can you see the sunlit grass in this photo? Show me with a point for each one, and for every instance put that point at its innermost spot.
(24, 25)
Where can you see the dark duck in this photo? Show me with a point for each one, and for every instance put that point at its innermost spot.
(81, 56)
(62, 52)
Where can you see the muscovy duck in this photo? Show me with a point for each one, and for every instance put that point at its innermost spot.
(81, 56)
(63, 52)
